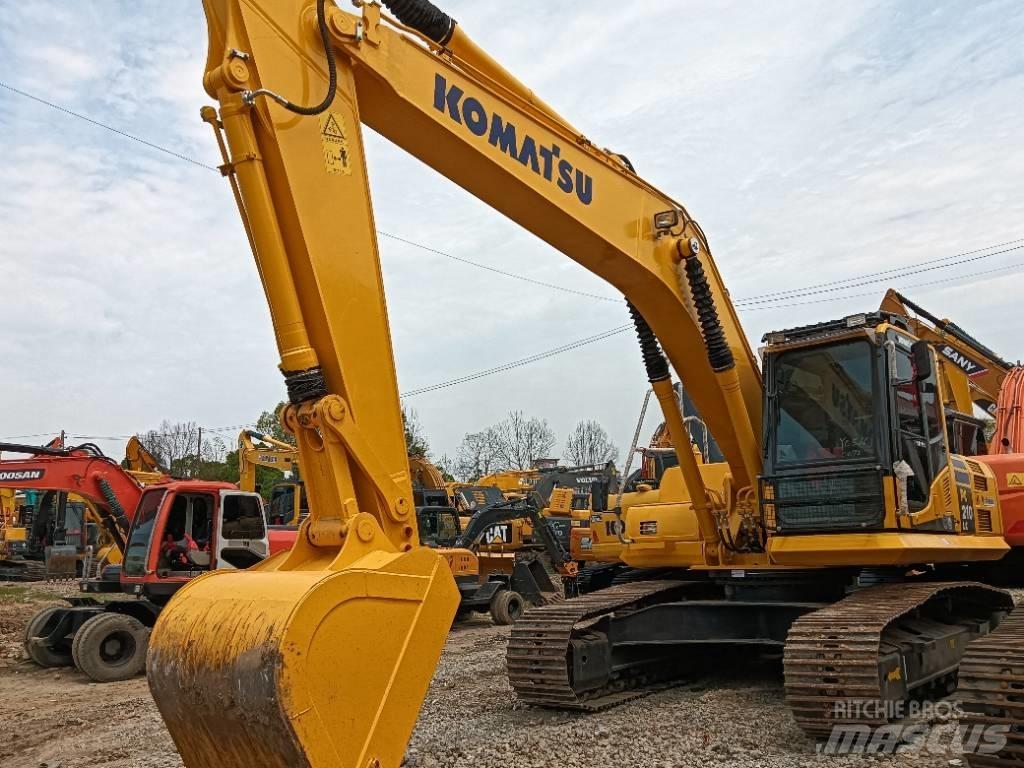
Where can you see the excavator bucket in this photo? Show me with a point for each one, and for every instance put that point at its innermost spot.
(321, 665)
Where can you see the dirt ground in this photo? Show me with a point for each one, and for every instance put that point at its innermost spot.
(733, 716)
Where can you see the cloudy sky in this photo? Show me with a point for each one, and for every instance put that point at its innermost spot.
(815, 142)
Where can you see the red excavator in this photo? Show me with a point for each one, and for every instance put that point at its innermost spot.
(168, 533)
(1006, 455)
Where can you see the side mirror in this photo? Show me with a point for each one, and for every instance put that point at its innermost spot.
(922, 355)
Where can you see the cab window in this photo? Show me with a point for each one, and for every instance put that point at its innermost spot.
(187, 534)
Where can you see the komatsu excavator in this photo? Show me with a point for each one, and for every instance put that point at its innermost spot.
(321, 656)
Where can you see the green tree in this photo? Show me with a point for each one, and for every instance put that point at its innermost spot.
(270, 424)
(416, 443)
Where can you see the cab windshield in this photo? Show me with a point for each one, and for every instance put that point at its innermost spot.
(825, 409)
(142, 532)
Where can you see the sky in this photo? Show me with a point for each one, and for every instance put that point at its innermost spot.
(814, 142)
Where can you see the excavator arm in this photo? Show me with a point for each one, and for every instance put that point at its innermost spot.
(142, 464)
(974, 374)
(84, 471)
(519, 509)
(321, 656)
(270, 452)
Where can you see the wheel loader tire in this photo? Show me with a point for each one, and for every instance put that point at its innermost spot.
(506, 607)
(43, 655)
(111, 647)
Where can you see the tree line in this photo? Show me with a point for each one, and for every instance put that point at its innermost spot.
(516, 442)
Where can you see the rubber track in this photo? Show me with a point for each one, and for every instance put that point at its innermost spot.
(991, 690)
(832, 654)
(537, 656)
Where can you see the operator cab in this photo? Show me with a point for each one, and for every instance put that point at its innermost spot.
(855, 431)
(439, 526)
(179, 534)
(281, 509)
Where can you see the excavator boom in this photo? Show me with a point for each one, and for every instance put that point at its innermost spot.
(974, 373)
(331, 691)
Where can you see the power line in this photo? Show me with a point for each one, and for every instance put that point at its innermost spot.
(76, 436)
(958, 278)
(193, 161)
(905, 272)
(615, 331)
(110, 128)
(519, 363)
(502, 272)
(826, 287)
(885, 272)
(548, 354)
(54, 433)
(752, 303)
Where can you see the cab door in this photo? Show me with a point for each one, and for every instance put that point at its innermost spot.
(241, 531)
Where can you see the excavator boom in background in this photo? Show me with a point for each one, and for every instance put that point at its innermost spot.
(142, 464)
(983, 371)
(322, 655)
(288, 501)
(975, 377)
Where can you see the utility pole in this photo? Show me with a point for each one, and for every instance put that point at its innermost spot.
(199, 452)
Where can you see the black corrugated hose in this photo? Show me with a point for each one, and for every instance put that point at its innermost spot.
(425, 17)
(654, 358)
(719, 353)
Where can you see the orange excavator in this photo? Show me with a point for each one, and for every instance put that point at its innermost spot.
(83, 473)
(165, 534)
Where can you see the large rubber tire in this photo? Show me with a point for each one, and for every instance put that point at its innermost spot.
(111, 647)
(42, 655)
(506, 607)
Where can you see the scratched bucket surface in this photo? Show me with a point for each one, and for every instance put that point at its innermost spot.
(271, 668)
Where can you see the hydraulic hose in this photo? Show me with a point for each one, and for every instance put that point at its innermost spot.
(661, 382)
(332, 73)
(425, 17)
(654, 359)
(720, 355)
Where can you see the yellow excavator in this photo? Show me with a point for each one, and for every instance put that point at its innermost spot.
(973, 373)
(142, 464)
(321, 656)
(288, 501)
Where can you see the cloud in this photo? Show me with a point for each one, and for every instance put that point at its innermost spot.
(813, 141)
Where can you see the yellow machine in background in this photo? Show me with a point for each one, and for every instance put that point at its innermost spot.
(288, 502)
(974, 373)
(321, 656)
(141, 464)
(10, 530)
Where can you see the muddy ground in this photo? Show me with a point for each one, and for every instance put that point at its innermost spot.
(731, 715)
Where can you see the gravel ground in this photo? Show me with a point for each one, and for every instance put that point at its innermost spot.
(733, 716)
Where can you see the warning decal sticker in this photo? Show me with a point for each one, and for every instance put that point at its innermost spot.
(1015, 479)
(335, 144)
